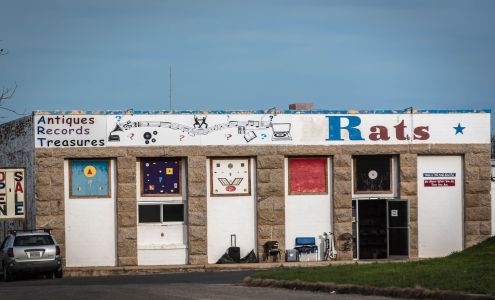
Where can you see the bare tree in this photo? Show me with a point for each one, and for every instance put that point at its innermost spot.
(7, 93)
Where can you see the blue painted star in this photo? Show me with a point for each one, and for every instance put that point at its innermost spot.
(459, 129)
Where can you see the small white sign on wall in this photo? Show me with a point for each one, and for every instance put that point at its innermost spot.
(230, 177)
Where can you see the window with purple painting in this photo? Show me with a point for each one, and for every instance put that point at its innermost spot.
(161, 176)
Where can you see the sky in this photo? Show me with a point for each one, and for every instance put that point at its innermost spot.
(247, 55)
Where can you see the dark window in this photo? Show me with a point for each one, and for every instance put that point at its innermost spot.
(149, 213)
(33, 240)
(373, 174)
(173, 213)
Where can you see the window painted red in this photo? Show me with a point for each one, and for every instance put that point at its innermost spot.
(308, 175)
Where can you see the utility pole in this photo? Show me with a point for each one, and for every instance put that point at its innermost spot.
(170, 89)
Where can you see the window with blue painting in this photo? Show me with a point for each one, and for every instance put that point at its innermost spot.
(89, 178)
(161, 177)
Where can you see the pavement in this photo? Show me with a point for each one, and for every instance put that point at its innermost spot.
(190, 285)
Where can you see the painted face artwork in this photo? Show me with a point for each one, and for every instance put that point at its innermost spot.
(89, 178)
(230, 177)
(160, 176)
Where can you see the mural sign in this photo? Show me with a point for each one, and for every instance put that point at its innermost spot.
(12, 194)
(230, 177)
(260, 129)
(89, 178)
(161, 176)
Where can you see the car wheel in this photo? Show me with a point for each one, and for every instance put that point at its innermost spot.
(49, 275)
(59, 274)
(6, 275)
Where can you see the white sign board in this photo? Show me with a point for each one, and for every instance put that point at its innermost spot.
(70, 130)
(12, 194)
(260, 129)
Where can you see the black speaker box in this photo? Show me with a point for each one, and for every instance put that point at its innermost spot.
(235, 253)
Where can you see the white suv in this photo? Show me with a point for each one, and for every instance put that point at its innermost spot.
(30, 252)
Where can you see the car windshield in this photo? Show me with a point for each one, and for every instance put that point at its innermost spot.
(33, 240)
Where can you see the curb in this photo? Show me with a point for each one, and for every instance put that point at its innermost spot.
(150, 270)
(167, 269)
(414, 293)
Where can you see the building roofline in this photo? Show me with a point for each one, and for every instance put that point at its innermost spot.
(267, 111)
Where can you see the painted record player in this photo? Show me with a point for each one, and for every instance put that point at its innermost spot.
(281, 132)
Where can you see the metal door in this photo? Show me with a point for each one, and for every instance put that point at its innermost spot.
(398, 231)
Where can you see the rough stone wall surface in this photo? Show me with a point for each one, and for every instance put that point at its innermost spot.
(126, 211)
(49, 173)
(270, 200)
(269, 189)
(408, 191)
(342, 204)
(196, 212)
(477, 200)
(17, 150)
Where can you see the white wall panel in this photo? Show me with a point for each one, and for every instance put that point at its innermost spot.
(231, 215)
(440, 205)
(90, 227)
(308, 215)
(168, 256)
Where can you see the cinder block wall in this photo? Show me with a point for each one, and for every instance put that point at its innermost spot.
(17, 150)
(269, 189)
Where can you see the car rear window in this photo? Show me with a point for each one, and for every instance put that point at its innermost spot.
(33, 240)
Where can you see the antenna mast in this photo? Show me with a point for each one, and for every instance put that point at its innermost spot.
(170, 89)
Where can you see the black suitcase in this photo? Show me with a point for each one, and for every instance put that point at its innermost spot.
(234, 251)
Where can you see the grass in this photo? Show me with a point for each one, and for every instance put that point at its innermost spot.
(470, 271)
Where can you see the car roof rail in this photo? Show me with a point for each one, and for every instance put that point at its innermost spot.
(15, 231)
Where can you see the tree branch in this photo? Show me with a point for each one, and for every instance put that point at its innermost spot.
(13, 111)
(7, 93)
